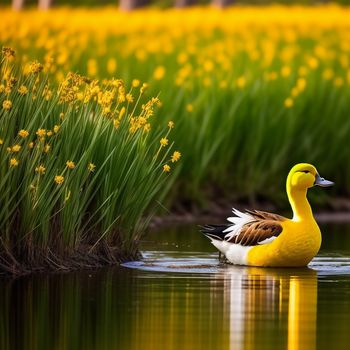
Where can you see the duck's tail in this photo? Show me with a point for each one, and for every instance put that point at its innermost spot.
(214, 232)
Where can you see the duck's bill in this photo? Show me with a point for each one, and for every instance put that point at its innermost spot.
(320, 181)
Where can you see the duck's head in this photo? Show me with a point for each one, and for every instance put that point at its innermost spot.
(303, 176)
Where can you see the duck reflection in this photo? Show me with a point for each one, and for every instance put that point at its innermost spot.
(271, 307)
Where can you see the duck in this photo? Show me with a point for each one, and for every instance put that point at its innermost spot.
(259, 238)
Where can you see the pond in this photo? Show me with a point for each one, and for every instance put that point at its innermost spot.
(181, 297)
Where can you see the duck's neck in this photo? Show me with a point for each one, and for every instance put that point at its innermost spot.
(299, 203)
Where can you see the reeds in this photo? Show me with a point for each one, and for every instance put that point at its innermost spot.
(79, 166)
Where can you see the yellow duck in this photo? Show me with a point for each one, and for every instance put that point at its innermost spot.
(257, 238)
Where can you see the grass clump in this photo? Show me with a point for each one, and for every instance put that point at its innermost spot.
(80, 167)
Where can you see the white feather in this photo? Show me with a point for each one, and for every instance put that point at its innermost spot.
(235, 253)
(238, 222)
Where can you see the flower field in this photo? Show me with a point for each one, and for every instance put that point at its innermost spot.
(251, 91)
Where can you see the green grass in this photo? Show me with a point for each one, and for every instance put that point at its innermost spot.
(109, 191)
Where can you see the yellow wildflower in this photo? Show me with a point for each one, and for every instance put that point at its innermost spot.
(7, 104)
(121, 113)
(35, 67)
(41, 132)
(61, 116)
(285, 71)
(135, 83)
(159, 73)
(143, 88)
(176, 156)
(166, 168)
(31, 145)
(13, 162)
(47, 148)
(59, 179)
(288, 103)
(23, 90)
(1, 141)
(16, 148)
(171, 124)
(8, 52)
(40, 169)
(164, 141)
(56, 129)
(129, 98)
(241, 82)
(116, 123)
(111, 65)
(23, 133)
(70, 164)
(189, 108)
(49, 133)
(91, 167)
(147, 127)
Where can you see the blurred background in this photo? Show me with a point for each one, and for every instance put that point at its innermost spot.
(252, 90)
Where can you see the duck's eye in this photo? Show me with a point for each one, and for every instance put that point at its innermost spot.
(305, 171)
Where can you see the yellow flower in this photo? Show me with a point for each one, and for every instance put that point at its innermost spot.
(171, 124)
(91, 167)
(159, 73)
(288, 102)
(13, 162)
(241, 82)
(47, 148)
(129, 98)
(7, 104)
(147, 127)
(135, 83)
(176, 156)
(23, 133)
(189, 108)
(35, 67)
(61, 116)
(8, 52)
(164, 141)
(23, 90)
(31, 145)
(40, 169)
(16, 148)
(70, 164)
(49, 133)
(144, 87)
(111, 65)
(121, 113)
(116, 123)
(59, 179)
(166, 168)
(285, 71)
(56, 129)
(41, 132)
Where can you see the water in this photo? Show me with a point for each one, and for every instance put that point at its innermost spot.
(180, 297)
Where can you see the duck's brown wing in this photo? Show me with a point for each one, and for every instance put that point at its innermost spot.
(265, 228)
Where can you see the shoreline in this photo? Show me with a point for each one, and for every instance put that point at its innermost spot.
(112, 256)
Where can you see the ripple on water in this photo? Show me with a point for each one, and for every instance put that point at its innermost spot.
(207, 263)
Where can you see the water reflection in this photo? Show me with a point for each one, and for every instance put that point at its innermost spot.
(285, 299)
(181, 299)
